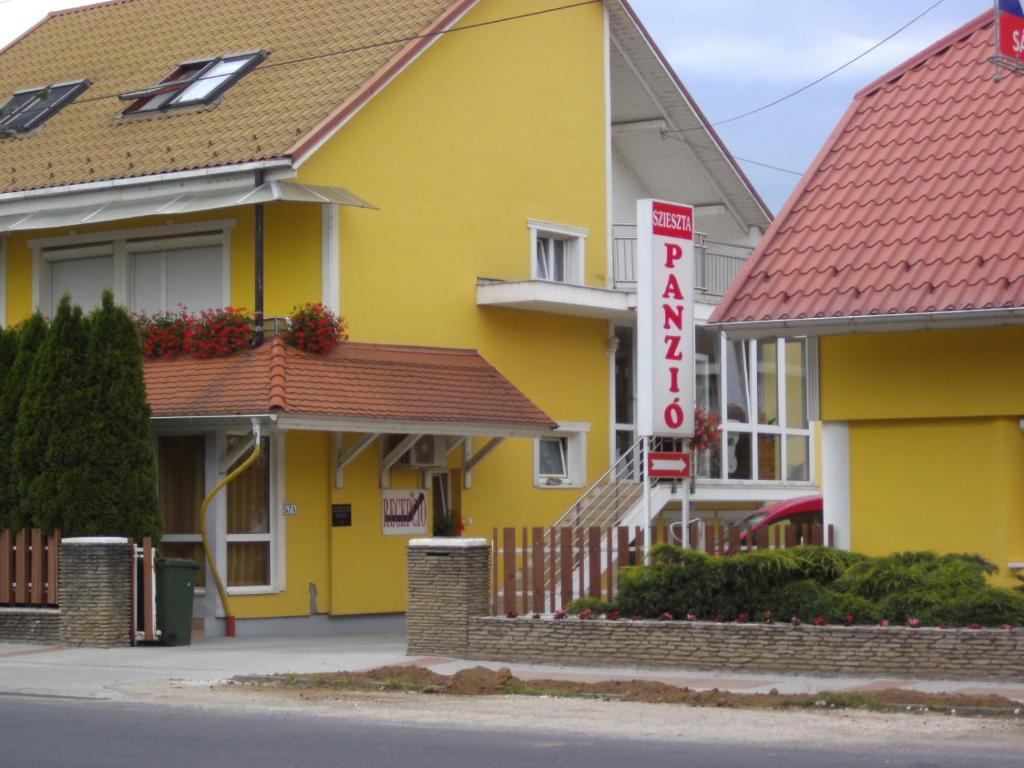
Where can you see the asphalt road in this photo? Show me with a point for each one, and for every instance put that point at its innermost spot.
(48, 731)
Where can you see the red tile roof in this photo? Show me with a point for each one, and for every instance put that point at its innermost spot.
(355, 381)
(913, 205)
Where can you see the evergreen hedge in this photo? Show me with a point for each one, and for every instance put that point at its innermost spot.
(30, 336)
(815, 583)
(122, 496)
(74, 405)
(52, 434)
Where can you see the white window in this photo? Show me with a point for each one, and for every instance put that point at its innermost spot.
(153, 269)
(81, 273)
(560, 459)
(558, 252)
(253, 542)
(764, 392)
(171, 278)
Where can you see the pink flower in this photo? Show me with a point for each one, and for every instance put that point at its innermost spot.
(691, 617)
(666, 616)
(585, 614)
(849, 619)
(1007, 626)
(913, 623)
(818, 621)
(883, 623)
(560, 614)
(975, 625)
(742, 617)
(612, 615)
(795, 621)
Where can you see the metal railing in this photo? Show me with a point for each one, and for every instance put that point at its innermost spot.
(715, 271)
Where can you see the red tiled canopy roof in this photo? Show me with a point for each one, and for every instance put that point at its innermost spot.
(915, 204)
(355, 381)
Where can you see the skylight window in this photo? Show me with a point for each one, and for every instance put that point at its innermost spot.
(193, 82)
(32, 107)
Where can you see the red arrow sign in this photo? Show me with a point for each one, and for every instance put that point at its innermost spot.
(668, 465)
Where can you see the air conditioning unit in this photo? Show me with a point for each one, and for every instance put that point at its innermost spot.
(427, 452)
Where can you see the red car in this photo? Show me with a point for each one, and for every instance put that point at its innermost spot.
(806, 510)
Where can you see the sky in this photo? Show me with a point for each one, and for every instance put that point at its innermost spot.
(735, 56)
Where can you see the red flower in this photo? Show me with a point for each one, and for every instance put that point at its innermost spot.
(818, 621)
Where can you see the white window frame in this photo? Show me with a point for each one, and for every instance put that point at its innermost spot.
(161, 245)
(276, 535)
(575, 239)
(121, 243)
(752, 427)
(575, 435)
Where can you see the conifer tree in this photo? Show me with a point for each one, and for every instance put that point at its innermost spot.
(55, 426)
(29, 336)
(122, 490)
(8, 350)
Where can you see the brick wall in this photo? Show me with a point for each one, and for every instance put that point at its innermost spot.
(29, 625)
(95, 592)
(928, 653)
(448, 587)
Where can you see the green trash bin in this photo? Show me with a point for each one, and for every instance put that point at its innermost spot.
(175, 584)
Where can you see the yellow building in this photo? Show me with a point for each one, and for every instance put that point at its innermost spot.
(448, 176)
(899, 252)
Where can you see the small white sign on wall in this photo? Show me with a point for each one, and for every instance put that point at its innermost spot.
(290, 510)
(404, 513)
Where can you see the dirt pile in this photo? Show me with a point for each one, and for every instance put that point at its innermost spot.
(481, 681)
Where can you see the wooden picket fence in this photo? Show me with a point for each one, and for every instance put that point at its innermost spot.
(542, 570)
(28, 568)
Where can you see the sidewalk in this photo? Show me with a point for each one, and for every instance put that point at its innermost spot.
(113, 673)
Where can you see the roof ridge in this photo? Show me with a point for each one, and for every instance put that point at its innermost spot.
(943, 42)
(278, 374)
(86, 7)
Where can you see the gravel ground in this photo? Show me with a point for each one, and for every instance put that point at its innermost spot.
(552, 717)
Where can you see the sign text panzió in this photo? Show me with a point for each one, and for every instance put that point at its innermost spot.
(665, 331)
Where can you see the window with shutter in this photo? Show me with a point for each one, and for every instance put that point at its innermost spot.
(168, 279)
(84, 280)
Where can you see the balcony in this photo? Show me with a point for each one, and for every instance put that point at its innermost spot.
(718, 264)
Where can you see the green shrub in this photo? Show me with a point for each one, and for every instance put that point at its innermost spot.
(667, 554)
(595, 604)
(53, 432)
(807, 600)
(122, 464)
(694, 585)
(747, 578)
(30, 336)
(823, 564)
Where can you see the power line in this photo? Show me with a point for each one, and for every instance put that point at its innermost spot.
(371, 46)
(824, 77)
(780, 169)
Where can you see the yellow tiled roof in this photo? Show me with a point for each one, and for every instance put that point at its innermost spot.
(130, 44)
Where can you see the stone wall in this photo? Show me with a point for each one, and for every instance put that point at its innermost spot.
(446, 592)
(830, 650)
(95, 593)
(29, 625)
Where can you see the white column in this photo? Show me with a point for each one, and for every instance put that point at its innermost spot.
(331, 256)
(835, 479)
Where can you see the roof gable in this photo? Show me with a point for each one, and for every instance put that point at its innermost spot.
(912, 206)
(130, 44)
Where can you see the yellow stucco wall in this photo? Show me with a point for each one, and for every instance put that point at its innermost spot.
(479, 135)
(936, 449)
(459, 152)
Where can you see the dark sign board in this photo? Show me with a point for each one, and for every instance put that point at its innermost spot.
(341, 515)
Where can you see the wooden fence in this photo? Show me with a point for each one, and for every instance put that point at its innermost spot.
(540, 570)
(143, 599)
(28, 568)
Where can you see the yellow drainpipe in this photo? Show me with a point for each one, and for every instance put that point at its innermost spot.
(229, 618)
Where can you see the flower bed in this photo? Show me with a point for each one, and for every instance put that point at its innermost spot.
(217, 332)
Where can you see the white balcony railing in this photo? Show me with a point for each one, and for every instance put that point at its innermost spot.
(715, 270)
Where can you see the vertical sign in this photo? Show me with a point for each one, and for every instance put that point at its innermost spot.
(1010, 29)
(665, 333)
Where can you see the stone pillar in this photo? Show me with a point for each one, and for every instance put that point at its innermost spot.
(95, 591)
(448, 583)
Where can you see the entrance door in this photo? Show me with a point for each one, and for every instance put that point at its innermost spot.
(182, 483)
(446, 502)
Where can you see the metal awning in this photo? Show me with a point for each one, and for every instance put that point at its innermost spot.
(176, 203)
